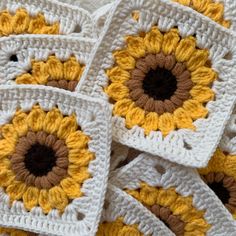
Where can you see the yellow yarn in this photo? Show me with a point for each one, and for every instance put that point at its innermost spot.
(195, 108)
(135, 46)
(122, 107)
(203, 76)
(117, 91)
(166, 123)
(44, 201)
(179, 205)
(68, 125)
(30, 197)
(183, 119)
(21, 22)
(124, 60)
(202, 93)
(136, 15)
(118, 228)
(198, 59)
(71, 188)
(170, 41)
(135, 116)
(150, 123)
(116, 74)
(13, 232)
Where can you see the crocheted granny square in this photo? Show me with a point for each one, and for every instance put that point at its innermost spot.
(43, 17)
(168, 74)
(123, 215)
(54, 160)
(53, 61)
(176, 195)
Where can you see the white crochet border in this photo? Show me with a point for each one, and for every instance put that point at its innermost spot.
(120, 204)
(209, 34)
(186, 181)
(72, 19)
(39, 47)
(93, 116)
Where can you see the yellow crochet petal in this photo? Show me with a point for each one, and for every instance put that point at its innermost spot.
(122, 107)
(148, 194)
(55, 68)
(198, 59)
(77, 140)
(216, 164)
(8, 132)
(166, 123)
(110, 228)
(5, 23)
(6, 177)
(117, 91)
(153, 40)
(80, 157)
(135, 194)
(36, 24)
(166, 197)
(185, 49)
(20, 124)
(135, 116)
(203, 76)
(40, 72)
(6, 148)
(198, 224)
(26, 79)
(124, 60)
(116, 74)
(150, 123)
(79, 174)
(5, 164)
(135, 46)
(52, 29)
(195, 109)
(215, 11)
(200, 6)
(30, 197)
(58, 198)
(67, 126)
(230, 166)
(71, 188)
(18, 233)
(20, 21)
(129, 230)
(183, 119)
(191, 215)
(183, 2)
(170, 41)
(202, 93)
(44, 201)
(36, 118)
(72, 69)
(52, 121)
(16, 190)
(180, 206)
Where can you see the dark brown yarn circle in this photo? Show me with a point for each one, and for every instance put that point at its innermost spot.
(40, 160)
(159, 83)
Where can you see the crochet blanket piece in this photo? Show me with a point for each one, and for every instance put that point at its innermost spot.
(195, 67)
(176, 195)
(54, 158)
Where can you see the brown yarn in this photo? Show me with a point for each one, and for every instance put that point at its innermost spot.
(141, 102)
(161, 59)
(134, 84)
(182, 94)
(170, 62)
(178, 69)
(63, 84)
(53, 178)
(159, 107)
(137, 74)
(150, 105)
(151, 61)
(136, 94)
(142, 65)
(62, 162)
(176, 101)
(169, 106)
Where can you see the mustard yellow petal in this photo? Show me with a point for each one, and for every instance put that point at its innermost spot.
(148, 195)
(18, 233)
(183, 2)
(124, 60)
(202, 93)
(150, 123)
(117, 91)
(215, 11)
(180, 206)
(71, 188)
(116, 74)
(36, 24)
(129, 230)
(135, 46)
(40, 72)
(20, 124)
(20, 21)
(230, 166)
(198, 59)
(58, 198)
(6, 177)
(135, 194)
(55, 68)
(198, 224)
(200, 6)
(5, 164)
(72, 69)
(185, 49)
(195, 109)
(77, 140)
(135, 116)
(44, 201)
(183, 119)
(36, 118)
(16, 190)
(52, 29)
(30, 197)
(6, 148)
(122, 107)
(52, 121)
(79, 174)
(111, 228)
(166, 123)
(170, 41)
(203, 76)
(166, 197)
(5, 23)
(80, 157)
(8, 132)
(26, 79)
(67, 126)
(153, 40)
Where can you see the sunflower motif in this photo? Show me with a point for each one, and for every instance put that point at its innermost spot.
(15, 232)
(209, 8)
(44, 159)
(160, 82)
(53, 72)
(220, 175)
(118, 228)
(175, 211)
(22, 23)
